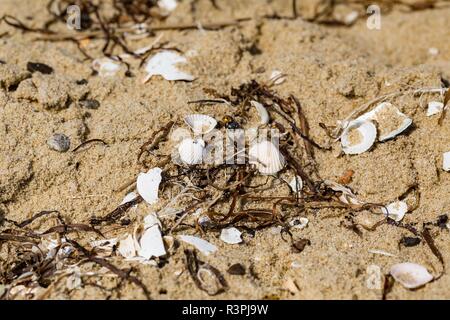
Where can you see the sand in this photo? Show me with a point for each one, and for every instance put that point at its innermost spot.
(331, 70)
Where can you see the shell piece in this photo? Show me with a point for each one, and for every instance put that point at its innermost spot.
(446, 161)
(411, 275)
(299, 223)
(277, 77)
(106, 67)
(200, 123)
(129, 197)
(231, 236)
(358, 137)
(202, 245)
(296, 184)
(262, 112)
(395, 210)
(347, 195)
(126, 247)
(191, 151)
(168, 5)
(266, 157)
(151, 243)
(434, 107)
(164, 64)
(148, 185)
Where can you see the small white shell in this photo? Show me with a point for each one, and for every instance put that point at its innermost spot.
(168, 5)
(277, 77)
(106, 67)
(264, 115)
(231, 236)
(202, 245)
(296, 184)
(191, 151)
(446, 161)
(126, 247)
(266, 157)
(358, 137)
(151, 243)
(164, 64)
(129, 197)
(411, 275)
(200, 123)
(434, 107)
(299, 223)
(395, 210)
(148, 185)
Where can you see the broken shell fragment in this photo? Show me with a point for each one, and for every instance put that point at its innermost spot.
(262, 111)
(434, 107)
(151, 243)
(105, 67)
(191, 151)
(200, 123)
(231, 236)
(296, 184)
(148, 185)
(446, 161)
(358, 137)
(395, 210)
(164, 64)
(126, 247)
(276, 77)
(411, 275)
(299, 223)
(266, 157)
(168, 5)
(202, 245)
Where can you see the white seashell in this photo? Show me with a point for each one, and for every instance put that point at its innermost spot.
(266, 157)
(264, 115)
(446, 161)
(410, 275)
(434, 107)
(351, 17)
(381, 252)
(202, 245)
(277, 77)
(299, 223)
(151, 220)
(129, 197)
(106, 67)
(395, 210)
(200, 123)
(231, 236)
(358, 137)
(151, 243)
(164, 64)
(168, 5)
(126, 247)
(347, 195)
(433, 51)
(191, 151)
(148, 185)
(296, 184)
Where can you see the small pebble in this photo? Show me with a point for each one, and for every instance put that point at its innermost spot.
(59, 142)
(410, 241)
(81, 82)
(39, 67)
(90, 104)
(236, 269)
(442, 221)
(299, 246)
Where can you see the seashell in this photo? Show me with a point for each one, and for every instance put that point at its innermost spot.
(148, 185)
(262, 112)
(231, 236)
(191, 151)
(381, 252)
(200, 123)
(59, 142)
(446, 161)
(395, 210)
(434, 107)
(151, 220)
(347, 195)
(351, 17)
(129, 197)
(296, 184)
(151, 243)
(276, 77)
(105, 67)
(358, 137)
(266, 157)
(202, 245)
(411, 275)
(126, 247)
(299, 223)
(433, 51)
(164, 64)
(168, 5)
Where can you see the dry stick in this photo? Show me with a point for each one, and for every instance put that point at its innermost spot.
(88, 142)
(430, 242)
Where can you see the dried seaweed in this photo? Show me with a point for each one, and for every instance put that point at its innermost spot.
(117, 213)
(88, 142)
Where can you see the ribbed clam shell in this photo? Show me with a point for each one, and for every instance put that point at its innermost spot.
(191, 151)
(266, 157)
(411, 275)
(200, 123)
(358, 137)
(262, 111)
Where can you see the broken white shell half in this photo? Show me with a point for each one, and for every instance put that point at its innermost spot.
(231, 236)
(299, 223)
(296, 184)
(358, 137)
(262, 111)
(164, 64)
(200, 123)
(410, 275)
(202, 245)
(148, 185)
(446, 161)
(151, 243)
(129, 197)
(266, 157)
(191, 151)
(126, 247)
(277, 77)
(106, 67)
(395, 210)
(434, 107)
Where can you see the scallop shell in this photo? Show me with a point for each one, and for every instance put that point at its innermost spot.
(410, 275)
(446, 161)
(434, 107)
(148, 184)
(231, 236)
(164, 64)
(358, 137)
(264, 115)
(202, 245)
(106, 67)
(266, 157)
(191, 151)
(395, 210)
(200, 123)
